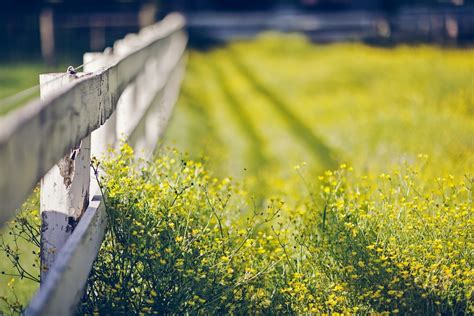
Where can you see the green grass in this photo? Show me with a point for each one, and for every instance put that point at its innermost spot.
(277, 112)
(12, 287)
(394, 234)
(17, 77)
(366, 106)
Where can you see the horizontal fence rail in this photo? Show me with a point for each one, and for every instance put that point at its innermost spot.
(127, 92)
(34, 137)
(64, 287)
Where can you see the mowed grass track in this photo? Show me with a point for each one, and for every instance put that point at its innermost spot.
(273, 103)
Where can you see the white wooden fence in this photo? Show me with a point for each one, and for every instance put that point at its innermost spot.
(127, 92)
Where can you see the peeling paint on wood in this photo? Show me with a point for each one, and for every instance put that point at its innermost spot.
(66, 170)
(151, 65)
(55, 230)
(64, 192)
(35, 136)
(55, 134)
(63, 288)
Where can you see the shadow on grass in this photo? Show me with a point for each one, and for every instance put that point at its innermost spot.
(201, 112)
(316, 145)
(256, 155)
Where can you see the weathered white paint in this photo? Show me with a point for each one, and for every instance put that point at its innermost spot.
(65, 188)
(105, 136)
(64, 286)
(35, 136)
(157, 82)
(153, 64)
(64, 194)
(126, 108)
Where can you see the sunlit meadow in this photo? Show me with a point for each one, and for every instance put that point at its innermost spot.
(306, 179)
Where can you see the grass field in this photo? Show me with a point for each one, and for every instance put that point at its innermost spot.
(17, 77)
(265, 106)
(278, 112)
(368, 153)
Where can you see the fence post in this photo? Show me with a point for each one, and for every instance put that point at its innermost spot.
(127, 102)
(46, 26)
(147, 14)
(106, 135)
(64, 189)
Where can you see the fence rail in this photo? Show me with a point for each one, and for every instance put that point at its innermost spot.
(127, 92)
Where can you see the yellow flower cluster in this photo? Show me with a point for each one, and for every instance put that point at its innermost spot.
(389, 231)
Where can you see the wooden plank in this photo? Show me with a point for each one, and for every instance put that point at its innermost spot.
(147, 14)
(35, 136)
(64, 189)
(148, 131)
(149, 126)
(46, 26)
(51, 301)
(64, 287)
(105, 136)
